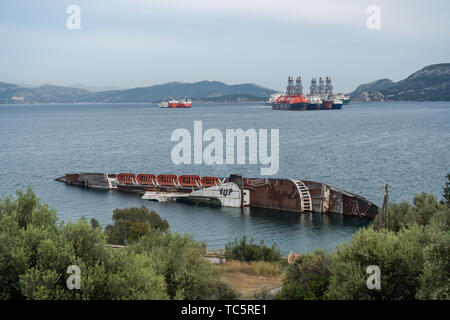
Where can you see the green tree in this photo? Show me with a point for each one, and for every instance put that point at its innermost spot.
(180, 259)
(399, 257)
(405, 215)
(249, 251)
(35, 253)
(132, 223)
(435, 279)
(95, 224)
(307, 278)
(446, 192)
(24, 223)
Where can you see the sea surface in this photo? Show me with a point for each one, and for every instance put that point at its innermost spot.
(358, 148)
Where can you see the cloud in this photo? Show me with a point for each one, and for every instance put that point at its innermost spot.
(410, 18)
(138, 42)
(289, 11)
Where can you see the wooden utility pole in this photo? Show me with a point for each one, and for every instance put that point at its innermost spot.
(386, 208)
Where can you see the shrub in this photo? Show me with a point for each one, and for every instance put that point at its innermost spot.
(35, 253)
(435, 279)
(132, 223)
(249, 251)
(399, 257)
(405, 215)
(446, 192)
(307, 278)
(263, 294)
(180, 260)
(95, 224)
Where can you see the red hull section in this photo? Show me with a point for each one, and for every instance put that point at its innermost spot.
(166, 180)
(126, 178)
(327, 104)
(146, 179)
(190, 181)
(180, 105)
(210, 181)
(292, 102)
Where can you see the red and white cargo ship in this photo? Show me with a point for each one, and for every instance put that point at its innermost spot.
(176, 103)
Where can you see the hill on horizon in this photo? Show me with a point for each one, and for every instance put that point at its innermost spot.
(10, 93)
(431, 83)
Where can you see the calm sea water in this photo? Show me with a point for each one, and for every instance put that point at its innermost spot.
(357, 149)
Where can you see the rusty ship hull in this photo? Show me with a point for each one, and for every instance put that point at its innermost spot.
(294, 195)
(307, 196)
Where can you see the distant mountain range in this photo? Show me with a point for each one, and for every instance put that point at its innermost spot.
(237, 97)
(95, 89)
(431, 83)
(11, 93)
(200, 91)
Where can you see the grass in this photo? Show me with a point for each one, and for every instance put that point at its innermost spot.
(252, 268)
(249, 279)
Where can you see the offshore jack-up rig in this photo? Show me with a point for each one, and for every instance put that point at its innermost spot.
(321, 96)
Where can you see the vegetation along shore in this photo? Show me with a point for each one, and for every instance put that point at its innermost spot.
(412, 251)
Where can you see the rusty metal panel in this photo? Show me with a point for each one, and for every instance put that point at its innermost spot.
(366, 208)
(280, 194)
(336, 204)
(358, 206)
(350, 205)
(325, 198)
(72, 178)
(95, 180)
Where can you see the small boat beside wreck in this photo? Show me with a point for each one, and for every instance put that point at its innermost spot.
(293, 195)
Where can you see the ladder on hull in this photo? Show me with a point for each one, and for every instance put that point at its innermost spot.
(305, 197)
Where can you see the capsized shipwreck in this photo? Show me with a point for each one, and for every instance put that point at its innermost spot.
(293, 195)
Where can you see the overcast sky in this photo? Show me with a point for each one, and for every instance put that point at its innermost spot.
(131, 43)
